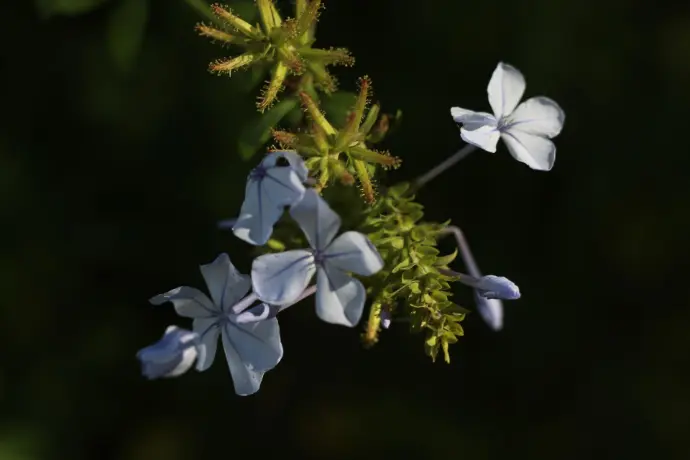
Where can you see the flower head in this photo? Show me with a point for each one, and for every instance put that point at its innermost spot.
(251, 348)
(284, 44)
(344, 153)
(525, 128)
(491, 286)
(282, 277)
(173, 355)
(275, 183)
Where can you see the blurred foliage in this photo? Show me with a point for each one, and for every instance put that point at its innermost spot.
(111, 184)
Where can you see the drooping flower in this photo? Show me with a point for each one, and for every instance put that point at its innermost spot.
(173, 355)
(251, 349)
(491, 311)
(491, 286)
(282, 277)
(526, 128)
(275, 183)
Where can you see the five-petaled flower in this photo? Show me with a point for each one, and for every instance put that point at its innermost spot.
(281, 278)
(275, 183)
(251, 348)
(173, 355)
(526, 128)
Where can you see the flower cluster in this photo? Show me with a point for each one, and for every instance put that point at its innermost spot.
(246, 321)
(388, 253)
(285, 45)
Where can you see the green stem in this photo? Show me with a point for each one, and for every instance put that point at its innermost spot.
(441, 167)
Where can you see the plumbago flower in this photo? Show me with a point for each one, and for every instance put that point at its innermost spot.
(251, 348)
(172, 355)
(280, 278)
(526, 128)
(275, 183)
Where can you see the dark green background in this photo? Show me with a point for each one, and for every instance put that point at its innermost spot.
(111, 183)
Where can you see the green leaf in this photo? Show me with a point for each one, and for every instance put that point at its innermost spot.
(427, 250)
(445, 260)
(337, 106)
(446, 355)
(125, 32)
(399, 189)
(48, 8)
(258, 130)
(402, 265)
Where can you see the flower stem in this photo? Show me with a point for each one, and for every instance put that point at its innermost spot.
(438, 169)
(465, 252)
(462, 277)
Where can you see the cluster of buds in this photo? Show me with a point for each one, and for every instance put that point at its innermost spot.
(286, 45)
(342, 154)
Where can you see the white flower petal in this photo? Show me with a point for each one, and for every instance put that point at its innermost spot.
(255, 222)
(506, 87)
(318, 221)
(538, 115)
(280, 278)
(282, 186)
(472, 120)
(188, 357)
(245, 380)
(226, 285)
(537, 152)
(497, 287)
(258, 344)
(354, 252)
(339, 298)
(295, 161)
(188, 302)
(491, 311)
(256, 313)
(485, 137)
(264, 203)
(208, 331)
(171, 356)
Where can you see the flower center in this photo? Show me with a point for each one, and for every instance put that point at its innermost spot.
(319, 256)
(503, 124)
(222, 318)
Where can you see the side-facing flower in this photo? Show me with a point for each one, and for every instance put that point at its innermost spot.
(173, 355)
(526, 128)
(490, 286)
(275, 183)
(282, 277)
(250, 348)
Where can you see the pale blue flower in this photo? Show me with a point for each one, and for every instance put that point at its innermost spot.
(491, 311)
(173, 355)
(275, 183)
(491, 286)
(250, 348)
(385, 318)
(525, 128)
(281, 278)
